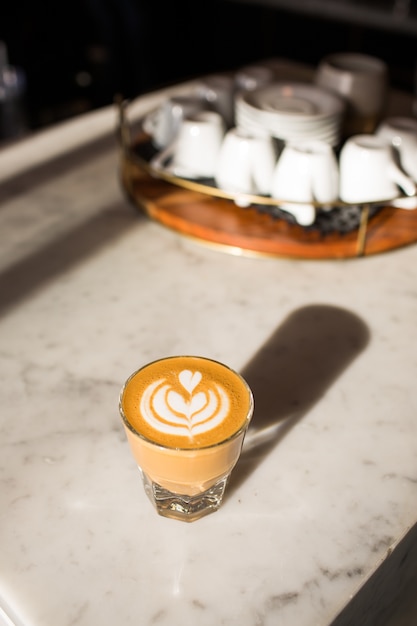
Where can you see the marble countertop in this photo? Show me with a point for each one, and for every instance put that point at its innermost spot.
(319, 519)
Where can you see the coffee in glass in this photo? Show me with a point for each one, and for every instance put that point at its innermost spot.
(185, 418)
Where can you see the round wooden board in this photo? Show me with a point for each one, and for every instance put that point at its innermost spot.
(219, 222)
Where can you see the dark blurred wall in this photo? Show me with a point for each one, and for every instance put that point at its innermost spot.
(78, 54)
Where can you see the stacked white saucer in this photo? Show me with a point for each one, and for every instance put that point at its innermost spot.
(291, 111)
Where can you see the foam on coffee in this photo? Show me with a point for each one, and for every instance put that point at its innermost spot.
(186, 402)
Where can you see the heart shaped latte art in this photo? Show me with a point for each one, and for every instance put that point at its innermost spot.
(189, 380)
(183, 409)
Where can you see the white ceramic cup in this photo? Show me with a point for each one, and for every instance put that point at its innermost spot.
(401, 132)
(163, 123)
(194, 151)
(369, 171)
(306, 172)
(246, 163)
(362, 81)
(217, 91)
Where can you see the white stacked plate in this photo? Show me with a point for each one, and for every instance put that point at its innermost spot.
(291, 112)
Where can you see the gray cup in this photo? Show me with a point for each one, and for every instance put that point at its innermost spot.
(362, 81)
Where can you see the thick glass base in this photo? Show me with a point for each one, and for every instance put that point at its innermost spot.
(182, 507)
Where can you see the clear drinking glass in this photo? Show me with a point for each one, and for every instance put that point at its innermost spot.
(185, 418)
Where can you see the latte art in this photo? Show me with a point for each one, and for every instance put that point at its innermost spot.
(183, 409)
(186, 402)
(185, 418)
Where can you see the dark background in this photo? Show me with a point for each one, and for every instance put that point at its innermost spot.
(77, 55)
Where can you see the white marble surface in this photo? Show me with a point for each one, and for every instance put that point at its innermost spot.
(327, 483)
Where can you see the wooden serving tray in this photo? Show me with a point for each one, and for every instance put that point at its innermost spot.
(219, 222)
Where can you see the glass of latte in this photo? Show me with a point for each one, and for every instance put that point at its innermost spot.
(185, 418)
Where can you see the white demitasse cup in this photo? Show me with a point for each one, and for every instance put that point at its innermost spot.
(324, 171)
(194, 151)
(306, 172)
(401, 132)
(246, 163)
(362, 81)
(369, 171)
(163, 123)
(217, 90)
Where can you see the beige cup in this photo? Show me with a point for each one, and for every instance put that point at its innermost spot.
(362, 80)
(252, 77)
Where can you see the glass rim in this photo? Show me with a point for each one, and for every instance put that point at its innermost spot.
(234, 435)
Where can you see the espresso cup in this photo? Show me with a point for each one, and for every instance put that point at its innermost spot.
(369, 171)
(306, 172)
(163, 123)
(362, 81)
(324, 172)
(217, 91)
(401, 132)
(245, 163)
(185, 419)
(195, 150)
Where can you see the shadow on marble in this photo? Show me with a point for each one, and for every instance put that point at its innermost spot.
(388, 597)
(292, 371)
(28, 274)
(38, 175)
